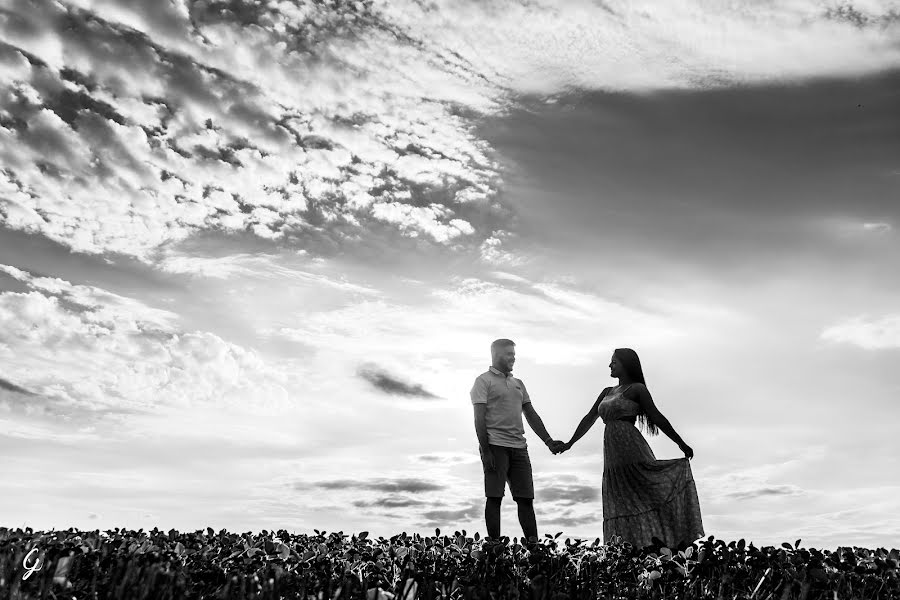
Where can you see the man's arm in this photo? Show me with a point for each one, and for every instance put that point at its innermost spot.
(534, 420)
(481, 426)
(479, 396)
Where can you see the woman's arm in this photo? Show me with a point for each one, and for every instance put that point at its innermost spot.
(587, 421)
(646, 401)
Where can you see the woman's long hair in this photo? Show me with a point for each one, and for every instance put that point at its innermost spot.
(632, 365)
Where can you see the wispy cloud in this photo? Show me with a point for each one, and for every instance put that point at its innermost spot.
(767, 491)
(569, 518)
(453, 516)
(878, 227)
(401, 484)
(11, 387)
(446, 458)
(391, 384)
(880, 333)
(390, 502)
(569, 494)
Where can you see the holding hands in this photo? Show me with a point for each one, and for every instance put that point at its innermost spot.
(557, 446)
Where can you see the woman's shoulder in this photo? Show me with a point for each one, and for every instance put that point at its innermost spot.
(635, 390)
(601, 396)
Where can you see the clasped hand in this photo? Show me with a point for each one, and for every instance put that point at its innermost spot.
(558, 446)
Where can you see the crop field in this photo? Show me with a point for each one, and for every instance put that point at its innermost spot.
(135, 565)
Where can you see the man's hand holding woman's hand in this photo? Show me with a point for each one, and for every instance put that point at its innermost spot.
(557, 446)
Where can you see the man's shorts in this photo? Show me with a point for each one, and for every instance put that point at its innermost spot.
(513, 466)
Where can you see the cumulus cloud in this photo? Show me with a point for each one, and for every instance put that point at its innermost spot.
(126, 126)
(414, 220)
(882, 333)
(121, 148)
(492, 251)
(110, 351)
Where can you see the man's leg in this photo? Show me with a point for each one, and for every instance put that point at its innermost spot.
(526, 517)
(494, 488)
(521, 484)
(492, 516)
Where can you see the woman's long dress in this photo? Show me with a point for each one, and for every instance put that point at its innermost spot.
(642, 496)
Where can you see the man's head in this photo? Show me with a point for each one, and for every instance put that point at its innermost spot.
(503, 354)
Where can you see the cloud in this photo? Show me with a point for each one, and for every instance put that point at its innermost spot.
(879, 228)
(121, 148)
(492, 251)
(767, 492)
(403, 484)
(389, 384)
(109, 351)
(446, 458)
(11, 387)
(569, 494)
(566, 519)
(453, 516)
(552, 323)
(414, 220)
(268, 267)
(868, 333)
(389, 502)
(856, 229)
(536, 47)
(136, 128)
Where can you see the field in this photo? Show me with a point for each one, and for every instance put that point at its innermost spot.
(205, 564)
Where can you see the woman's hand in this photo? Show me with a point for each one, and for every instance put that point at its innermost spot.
(688, 451)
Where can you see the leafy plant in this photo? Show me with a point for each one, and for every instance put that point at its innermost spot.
(207, 565)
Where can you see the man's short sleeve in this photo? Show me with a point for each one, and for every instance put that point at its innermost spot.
(479, 391)
(526, 399)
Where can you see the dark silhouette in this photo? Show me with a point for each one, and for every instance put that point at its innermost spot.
(645, 501)
(499, 401)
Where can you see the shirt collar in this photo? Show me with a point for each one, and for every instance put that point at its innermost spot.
(497, 371)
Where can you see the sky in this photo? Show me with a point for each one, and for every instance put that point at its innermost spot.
(253, 255)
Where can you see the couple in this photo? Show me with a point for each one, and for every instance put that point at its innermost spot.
(642, 497)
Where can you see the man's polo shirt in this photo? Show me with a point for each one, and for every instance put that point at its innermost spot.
(505, 396)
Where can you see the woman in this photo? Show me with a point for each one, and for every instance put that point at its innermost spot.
(642, 497)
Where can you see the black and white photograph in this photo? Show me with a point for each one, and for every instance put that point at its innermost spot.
(420, 299)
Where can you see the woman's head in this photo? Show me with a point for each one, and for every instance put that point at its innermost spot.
(625, 362)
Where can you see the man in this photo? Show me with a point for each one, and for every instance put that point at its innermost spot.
(500, 400)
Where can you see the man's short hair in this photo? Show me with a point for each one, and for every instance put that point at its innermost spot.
(501, 343)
